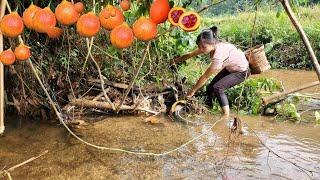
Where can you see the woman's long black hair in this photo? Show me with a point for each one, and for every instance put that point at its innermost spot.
(209, 36)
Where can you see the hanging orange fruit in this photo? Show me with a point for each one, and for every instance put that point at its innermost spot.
(121, 36)
(7, 57)
(54, 32)
(43, 19)
(22, 52)
(110, 17)
(11, 25)
(159, 11)
(125, 5)
(79, 7)
(28, 15)
(88, 25)
(189, 21)
(144, 29)
(175, 14)
(66, 13)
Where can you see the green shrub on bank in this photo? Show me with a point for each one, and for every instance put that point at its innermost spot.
(252, 92)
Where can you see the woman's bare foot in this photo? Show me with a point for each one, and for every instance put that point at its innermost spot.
(225, 117)
(226, 112)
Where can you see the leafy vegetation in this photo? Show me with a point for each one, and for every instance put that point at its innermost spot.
(288, 109)
(63, 59)
(253, 91)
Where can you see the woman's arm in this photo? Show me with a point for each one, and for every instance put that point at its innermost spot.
(202, 80)
(186, 56)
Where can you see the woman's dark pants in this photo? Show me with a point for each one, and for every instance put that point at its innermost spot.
(222, 81)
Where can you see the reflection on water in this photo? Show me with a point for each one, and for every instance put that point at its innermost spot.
(216, 155)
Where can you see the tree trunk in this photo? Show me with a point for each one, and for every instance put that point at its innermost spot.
(306, 42)
(2, 11)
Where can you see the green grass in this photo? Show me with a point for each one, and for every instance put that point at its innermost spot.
(283, 45)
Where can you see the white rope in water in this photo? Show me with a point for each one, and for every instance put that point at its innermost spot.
(141, 153)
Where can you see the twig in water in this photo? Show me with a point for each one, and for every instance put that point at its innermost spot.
(9, 175)
(268, 160)
(21, 164)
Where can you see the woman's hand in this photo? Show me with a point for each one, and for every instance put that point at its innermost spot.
(190, 94)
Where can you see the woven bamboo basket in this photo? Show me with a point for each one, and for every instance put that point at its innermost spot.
(257, 59)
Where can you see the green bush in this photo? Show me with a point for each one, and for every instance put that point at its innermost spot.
(251, 100)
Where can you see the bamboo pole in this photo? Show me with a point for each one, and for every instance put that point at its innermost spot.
(306, 42)
(2, 127)
(280, 96)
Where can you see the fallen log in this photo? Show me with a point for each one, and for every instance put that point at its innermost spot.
(105, 105)
(281, 96)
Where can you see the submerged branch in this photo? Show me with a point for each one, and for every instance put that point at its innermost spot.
(21, 164)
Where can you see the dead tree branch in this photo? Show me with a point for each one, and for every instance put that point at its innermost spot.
(134, 76)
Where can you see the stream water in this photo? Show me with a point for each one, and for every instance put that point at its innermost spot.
(216, 155)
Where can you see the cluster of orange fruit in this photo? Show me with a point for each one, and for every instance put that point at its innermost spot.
(143, 29)
(40, 20)
(87, 24)
(8, 57)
